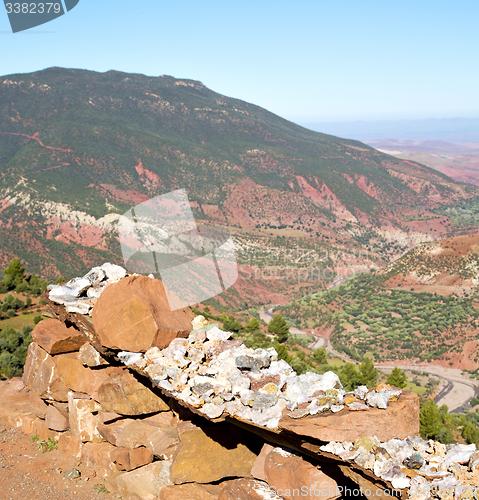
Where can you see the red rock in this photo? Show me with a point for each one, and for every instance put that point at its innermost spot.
(55, 337)
(106, 417)
(29, 422)
(40, 430)
(350, 425)
(41, 376)
(162, 419)
(126, 459)
(146, 482)
(134, 315)
(256, 385)
(113, 430)
(258, 467)
(19, 406)
(123, 394)
(89, 356)
(98, 456)
(191, 491)
(292, 477)
(248, 489)
(79, 378)
(37, 405)
(222, 452)
(55, 421)
(61, 407)
(224, 346)
(161, 441)
(69, 445)
(84, 419)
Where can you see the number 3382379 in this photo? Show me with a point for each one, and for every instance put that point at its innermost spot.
(33, 8)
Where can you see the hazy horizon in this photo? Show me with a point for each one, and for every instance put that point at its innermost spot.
(309, 62)
(455, 130)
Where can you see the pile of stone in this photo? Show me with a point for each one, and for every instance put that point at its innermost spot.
(168, 406)
(79, 295)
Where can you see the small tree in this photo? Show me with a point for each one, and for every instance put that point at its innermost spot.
(253, 325)
(430, 420)
(397, 378)
(469, 433)
(14, 274)
(350, 377)
(369, 374)
(319, 356)
(278, 326)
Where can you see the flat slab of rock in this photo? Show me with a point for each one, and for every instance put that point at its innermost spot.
(205, 456)
(399, 420)
(123, 394)
(134, 315)
(55, 337)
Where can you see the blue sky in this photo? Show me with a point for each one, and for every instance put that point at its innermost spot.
(308, 61)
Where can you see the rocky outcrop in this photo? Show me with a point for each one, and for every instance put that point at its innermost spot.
(207, 418)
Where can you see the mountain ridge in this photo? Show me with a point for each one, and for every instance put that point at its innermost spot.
(78, 148)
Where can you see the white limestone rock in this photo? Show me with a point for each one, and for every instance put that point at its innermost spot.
(113, 272)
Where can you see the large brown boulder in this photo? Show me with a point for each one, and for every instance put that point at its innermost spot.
(134, 315)
(69, 445)
(210, 454)
(56, 338)
(123, 394)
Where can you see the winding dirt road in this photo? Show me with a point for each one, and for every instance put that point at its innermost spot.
(457, 389)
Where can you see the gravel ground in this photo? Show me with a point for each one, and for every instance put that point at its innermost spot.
(28, 474)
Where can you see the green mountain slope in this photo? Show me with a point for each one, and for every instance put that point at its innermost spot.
(77, 148)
